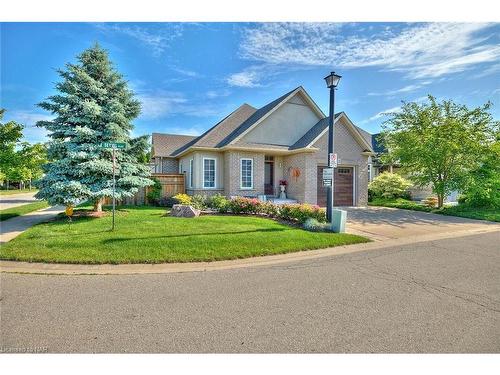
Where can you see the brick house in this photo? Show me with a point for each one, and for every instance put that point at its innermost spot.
(248, 152)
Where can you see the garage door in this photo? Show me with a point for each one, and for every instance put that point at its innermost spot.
(343, 195)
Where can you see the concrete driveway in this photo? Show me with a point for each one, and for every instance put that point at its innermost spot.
(381, 223)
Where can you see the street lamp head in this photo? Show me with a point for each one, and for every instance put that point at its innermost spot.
(332, 80)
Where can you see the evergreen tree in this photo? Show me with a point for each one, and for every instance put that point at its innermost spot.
(93, 105)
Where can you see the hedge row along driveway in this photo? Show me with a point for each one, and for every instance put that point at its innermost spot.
(146, 235)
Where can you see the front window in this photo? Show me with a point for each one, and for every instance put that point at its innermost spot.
(208, 173)
(246, 173)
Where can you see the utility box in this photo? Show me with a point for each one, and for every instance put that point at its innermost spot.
(339, 217)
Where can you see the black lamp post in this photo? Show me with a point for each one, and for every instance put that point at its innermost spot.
(332, 81)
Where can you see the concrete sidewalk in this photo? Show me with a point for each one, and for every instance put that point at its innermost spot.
(14, 227)
(14, 200)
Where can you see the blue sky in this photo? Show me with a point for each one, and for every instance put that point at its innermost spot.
(188, 76)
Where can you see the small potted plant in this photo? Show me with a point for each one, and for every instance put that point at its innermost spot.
(283, 184)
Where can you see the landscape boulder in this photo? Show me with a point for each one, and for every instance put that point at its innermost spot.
(182, 210)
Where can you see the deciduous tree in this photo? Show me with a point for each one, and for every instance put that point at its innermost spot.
(439, 143)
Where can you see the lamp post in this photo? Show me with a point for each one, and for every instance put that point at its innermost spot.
(332, 80)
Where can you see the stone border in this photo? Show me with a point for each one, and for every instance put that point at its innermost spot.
(164, 268)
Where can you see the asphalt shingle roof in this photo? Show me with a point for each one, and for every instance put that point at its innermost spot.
(166, 144)
(235, 124)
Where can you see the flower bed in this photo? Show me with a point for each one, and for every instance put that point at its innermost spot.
(297, 213)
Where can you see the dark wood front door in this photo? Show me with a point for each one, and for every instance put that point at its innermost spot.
(269, 178)
(343, 194)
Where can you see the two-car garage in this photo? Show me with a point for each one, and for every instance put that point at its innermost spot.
(343, 187)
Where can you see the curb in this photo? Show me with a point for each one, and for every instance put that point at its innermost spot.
(7, 266)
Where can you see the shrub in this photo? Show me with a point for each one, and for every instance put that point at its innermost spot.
(481, 186)
(154, 195)
(183, 199)
(240, 205)
(314, 225)
(199, 201)
(389, 185)
(218, 202)
(270, 209)
(301, 212)
(430, 202)
(168, 201)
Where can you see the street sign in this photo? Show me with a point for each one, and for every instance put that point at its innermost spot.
(327, 182)
(327, 173)
(115, 145)
(332, 160)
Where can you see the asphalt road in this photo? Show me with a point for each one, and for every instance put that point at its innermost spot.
(439, 296)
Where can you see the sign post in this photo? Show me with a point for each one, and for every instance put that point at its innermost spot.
(114, 188)
(113, 146)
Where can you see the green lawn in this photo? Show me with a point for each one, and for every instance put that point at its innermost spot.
(9, 213)
(17, 191)
(145, 235)
(479, 213)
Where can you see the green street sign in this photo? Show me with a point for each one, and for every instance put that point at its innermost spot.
(118, 146)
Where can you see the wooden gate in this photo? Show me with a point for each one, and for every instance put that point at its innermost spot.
(171, 184)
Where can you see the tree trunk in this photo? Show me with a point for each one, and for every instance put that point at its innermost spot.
(440, 200)
(98, 204)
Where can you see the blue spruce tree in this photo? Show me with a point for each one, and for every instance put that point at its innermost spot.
(93, 105)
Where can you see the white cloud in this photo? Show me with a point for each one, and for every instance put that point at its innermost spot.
(156, 37)
(213, 94)
(246, 78)
(29, 119)
(385, 113)
(493, 69)
(402, 90)
(159, 104)
(186, 72)
(388, 111)
(418, 50)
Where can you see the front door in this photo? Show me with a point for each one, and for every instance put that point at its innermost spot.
(269, 176)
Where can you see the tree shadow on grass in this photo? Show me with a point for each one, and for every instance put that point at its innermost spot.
(116, 240)
(7, 216)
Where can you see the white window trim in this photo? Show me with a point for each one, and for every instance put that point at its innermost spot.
(241, 174)
(215, 174)
(370, 172)
(191, 177)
